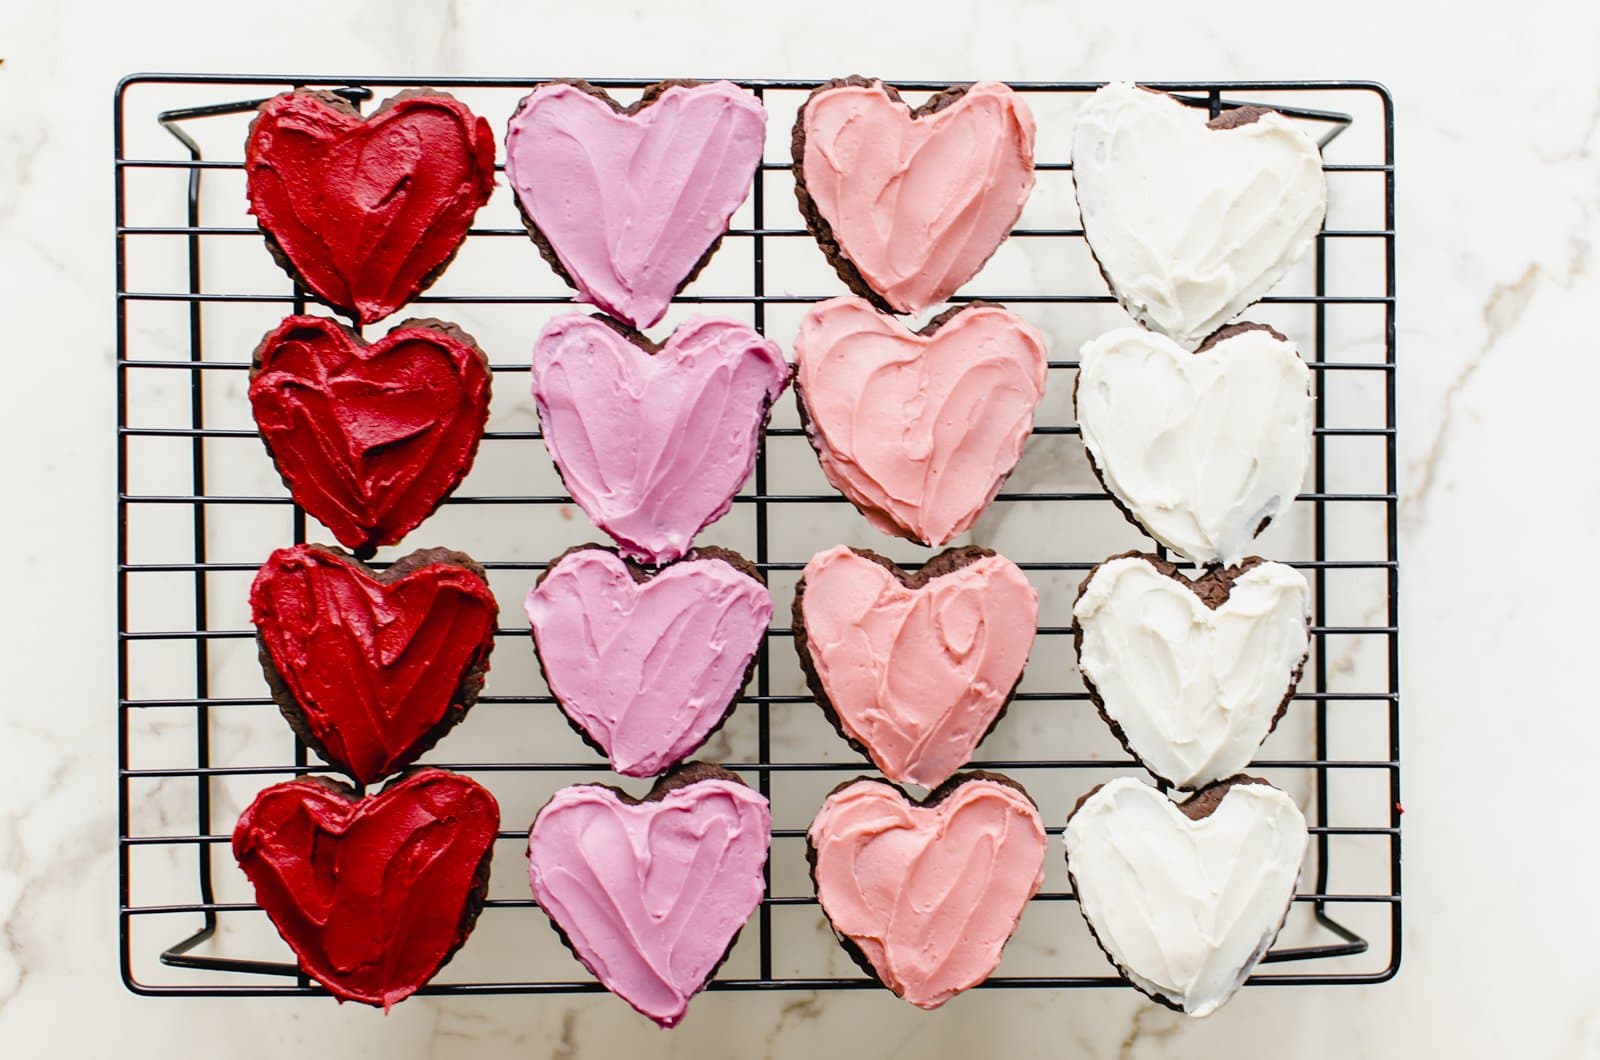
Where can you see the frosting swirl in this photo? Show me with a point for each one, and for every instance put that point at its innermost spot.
(377, 666)
(370, 438)
(915, 669)
(1193, 685)
(650, 895)
(367, 211)
(1191, 221)
(653, 442)
(646, 664)
(928, 894)
(918, 429)
(372, 894)
(630, 200)
(916, 201)
(1205, 448)
(1186, 899)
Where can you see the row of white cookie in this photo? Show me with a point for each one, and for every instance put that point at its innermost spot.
(1201, 431)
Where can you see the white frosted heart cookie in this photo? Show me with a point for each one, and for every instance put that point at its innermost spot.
(1192, 220)
(1192, 675)
(1186, 898)
(1200, 449)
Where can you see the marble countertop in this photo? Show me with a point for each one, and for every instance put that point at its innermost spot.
(1498, 129)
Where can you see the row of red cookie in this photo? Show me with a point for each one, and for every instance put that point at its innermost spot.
(369, 668)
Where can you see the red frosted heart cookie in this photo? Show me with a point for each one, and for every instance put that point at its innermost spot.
(372, 668)
(914, 668)
(908, 204)
(925, 896)
(372, 894)
(367, 213)
(918, 429)
(370, 438)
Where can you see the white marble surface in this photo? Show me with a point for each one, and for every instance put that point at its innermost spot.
(1499, 214)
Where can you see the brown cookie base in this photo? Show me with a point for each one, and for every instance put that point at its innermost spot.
(1196, 807)
(680, 776)
(813, 436)
(454, 331)
(815, 222)
(641, 575)
(1212, 588)
(466, 693)
(933, 798)
(344, 106)
(547, 250)
(947, 562)
(1226, 332)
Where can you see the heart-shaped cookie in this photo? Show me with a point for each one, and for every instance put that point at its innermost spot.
(647, 664)
(372, 668)
(1193, 220)
(370, 439)
(1192, 675)
(1200, 449)
(914, 669)
(372, 894)
(650, 894)
(651, 440)
(926, 896)
(367, 213)
(908, 204)
(918, 429)
(1186, 899)
(628, 203)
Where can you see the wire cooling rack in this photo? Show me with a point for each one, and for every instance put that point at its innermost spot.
(196, 738)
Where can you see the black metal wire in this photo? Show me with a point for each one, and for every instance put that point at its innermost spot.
(196, 296)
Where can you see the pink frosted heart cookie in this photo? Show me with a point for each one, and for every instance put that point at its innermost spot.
(651, 440)
(918, 429)
(926, 896)
(907, 204)
(628, 203)
(914, 669)
(650, 894)
(645, 664)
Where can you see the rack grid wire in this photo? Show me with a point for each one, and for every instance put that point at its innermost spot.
(207, 842)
